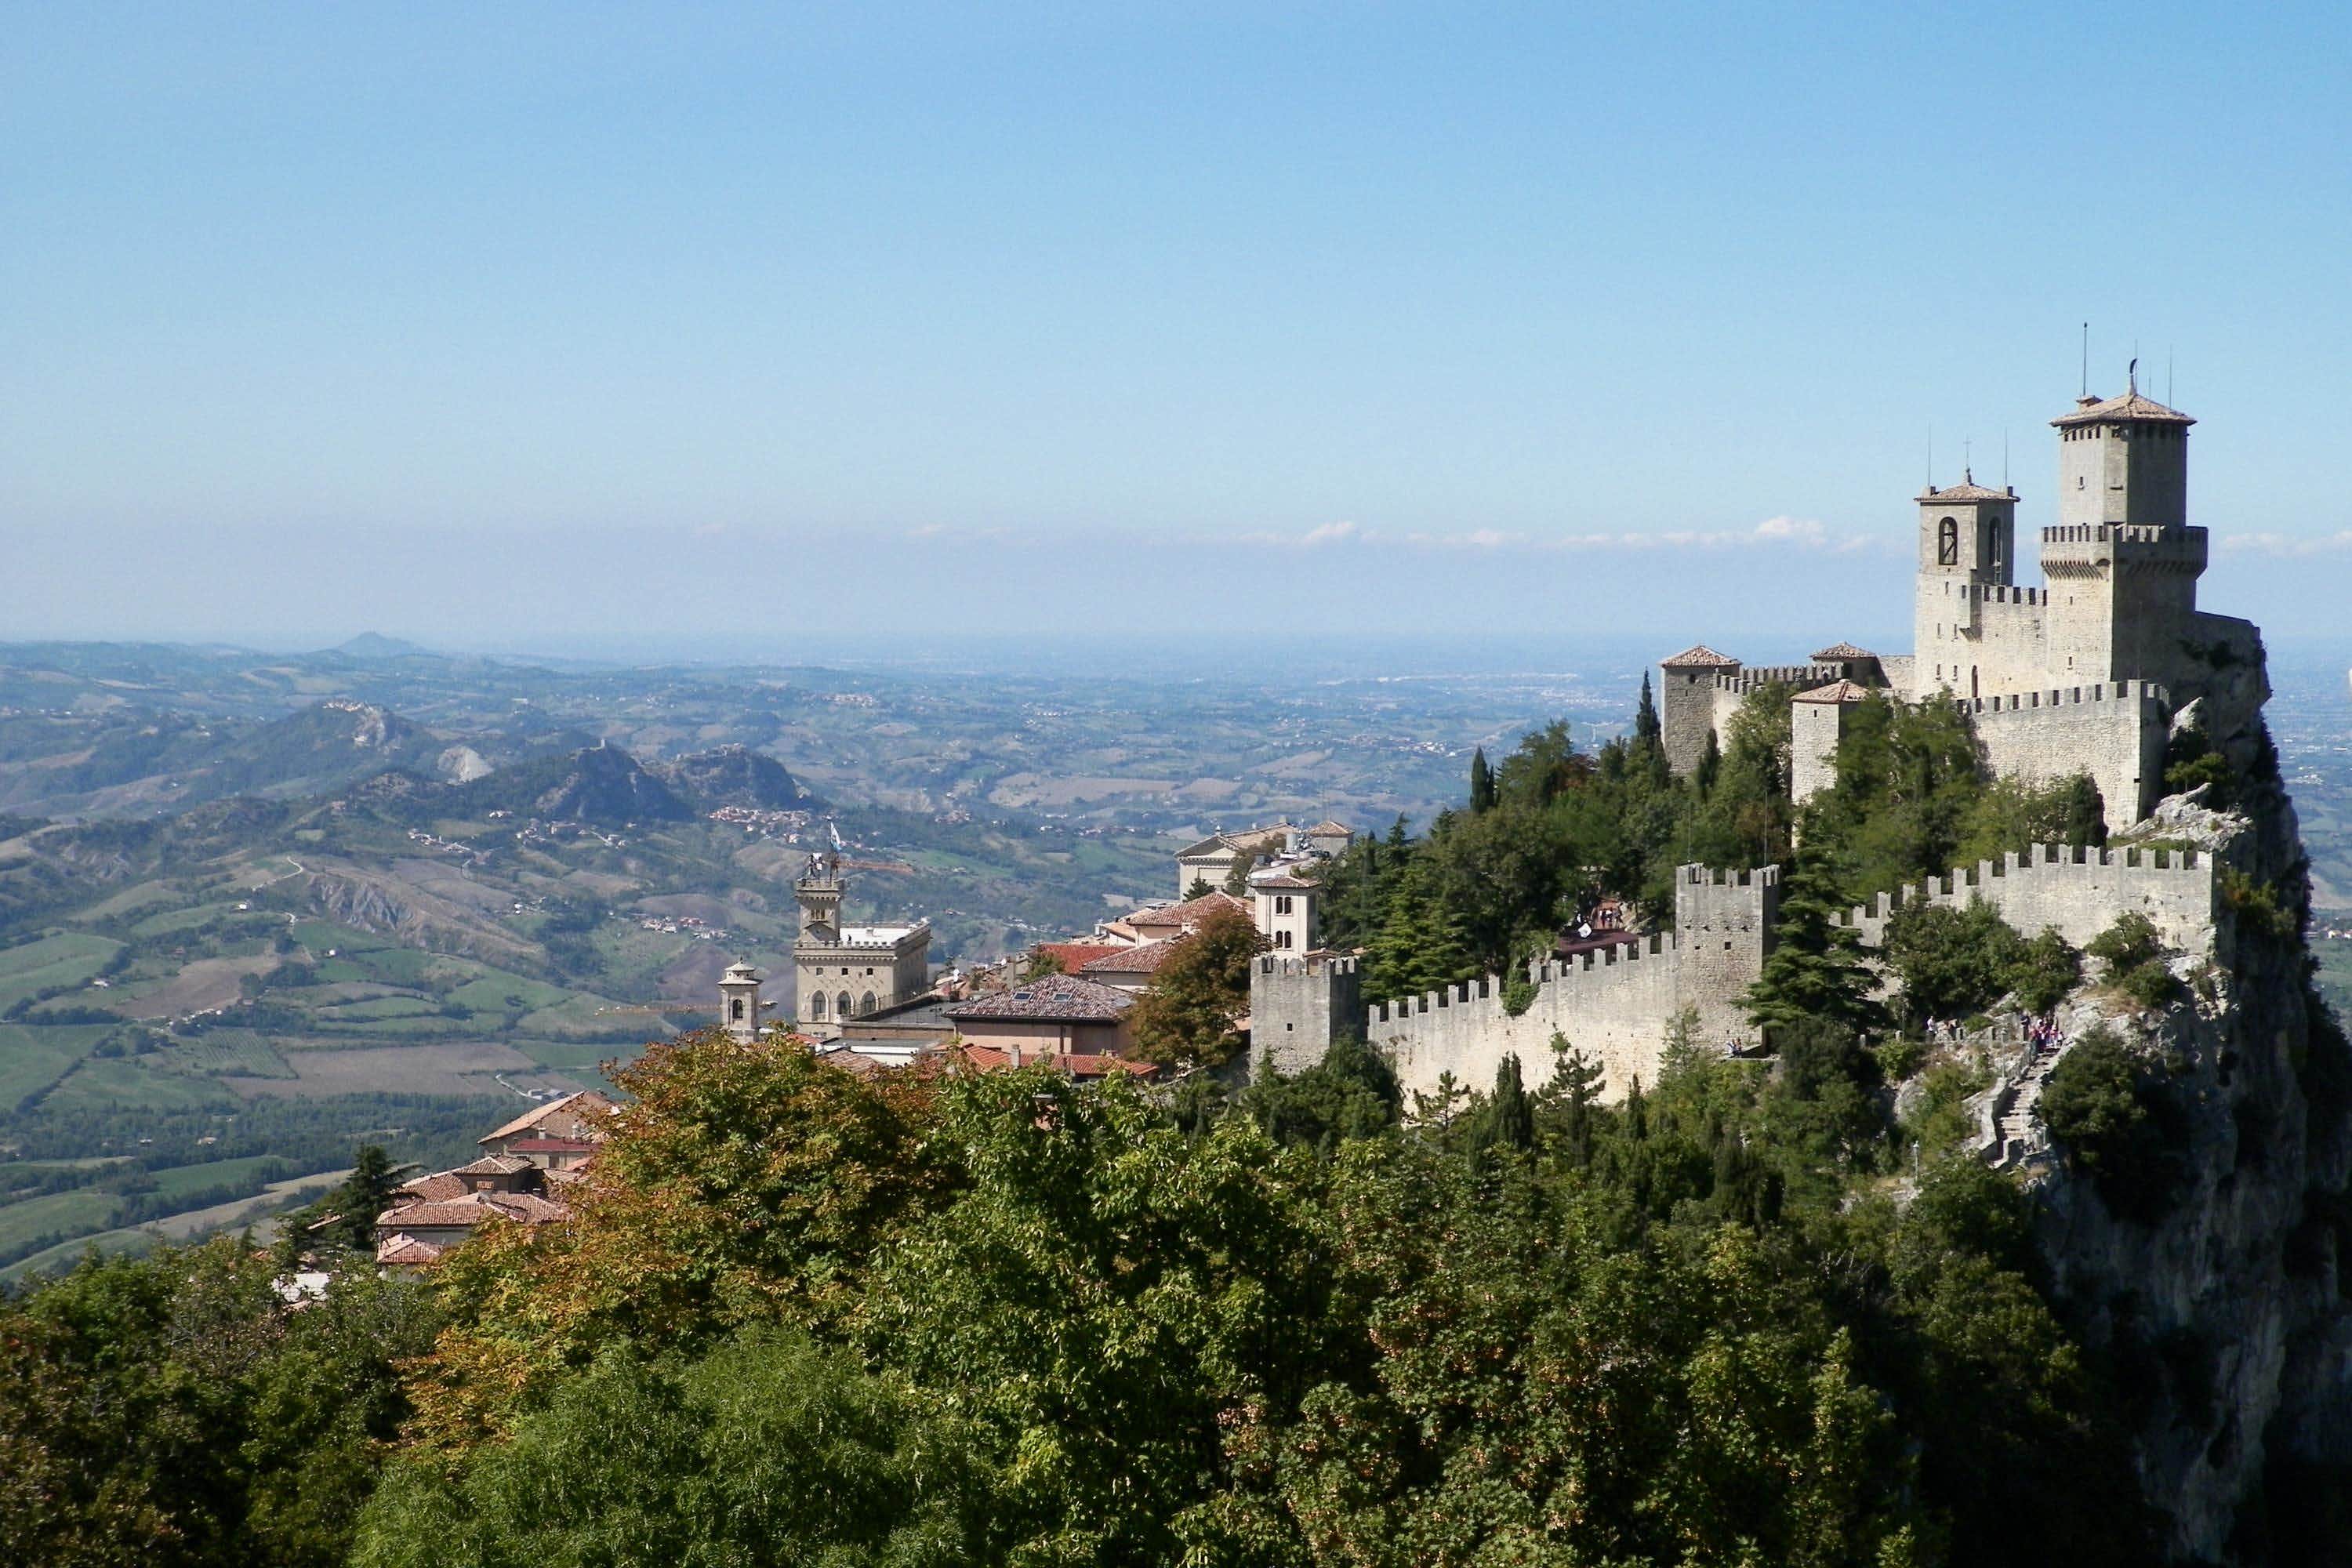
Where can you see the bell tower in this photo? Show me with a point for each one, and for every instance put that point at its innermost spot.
(1967, 543)
(818, 891)
(739, 1001)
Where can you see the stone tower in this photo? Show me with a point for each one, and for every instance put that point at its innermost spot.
(1299, 1004)
(817, 890)
(2122, 562)
(739, 1001)
(1967, 544)
(1686, 704)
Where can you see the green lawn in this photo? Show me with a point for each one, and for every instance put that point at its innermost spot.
(498, 992)
(171, 921)
(580, 1058)
(129, 899)
(76, 1213)
(239, 1052)
(33, 1057)
(179, 1181)
(376, 1007)
(134, 1082)
(67, 959)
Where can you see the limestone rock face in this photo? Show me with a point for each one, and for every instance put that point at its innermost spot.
(2226, 1310)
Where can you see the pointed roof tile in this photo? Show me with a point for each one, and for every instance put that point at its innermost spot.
(2131, 405)
(1699, 656)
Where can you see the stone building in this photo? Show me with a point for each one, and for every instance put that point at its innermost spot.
(846, 972)
(2085, 674)
(2088, 674)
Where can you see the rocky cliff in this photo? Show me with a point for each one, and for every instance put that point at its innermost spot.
(2219, 1301)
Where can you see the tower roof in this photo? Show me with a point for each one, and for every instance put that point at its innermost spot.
(2130, 407)
(1835, 692)
(1968, 489)
(1699, 656)
(1840, 653)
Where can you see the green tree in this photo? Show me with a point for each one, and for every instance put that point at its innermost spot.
(1815, 971)
(1648, 732)
(765, 1449)
(2048, 969)
(2112, 1111)
(1185, 1016)
(1482, 783)
(1508, 1120)
(1951, 962)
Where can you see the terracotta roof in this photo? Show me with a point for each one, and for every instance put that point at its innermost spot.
(1841, 653)
(1144, 958)
(2130, 406)
(1055, 996)
(548, 1146)
(1279, 876)
(492, 1165)
(1077, 1063)
(1699, 656)
(435, 1188)
(473, 1209)
(1076, 955)
(1327, 828)
(1188, 914)
(1248, 839)
(1835, 692)
(1968, 489)
(408, 1250)
(584, 1102)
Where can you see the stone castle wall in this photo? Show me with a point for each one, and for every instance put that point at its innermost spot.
(2113, 731)
(2079, 891)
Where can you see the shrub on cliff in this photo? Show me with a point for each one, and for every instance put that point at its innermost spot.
(2112, 1111)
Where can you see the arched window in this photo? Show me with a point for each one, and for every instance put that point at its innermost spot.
(817, 1006)
(841, 1003)
(866, 1005)
(1997, 543)
(1948, 542)
(735, 1008)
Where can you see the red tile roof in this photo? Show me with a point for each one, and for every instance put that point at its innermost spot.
(1079, 1065)
(1835, 692)
(1076, 955)
(408, 1251)
(1841, 653)
(1188, 914)
(1144, 958)
(1699, 656)
(587, 1103)
(473, 1209)
(551, 1146)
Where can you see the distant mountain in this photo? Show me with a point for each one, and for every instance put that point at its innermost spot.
(370, 647)
(735, 775)
(316, 749)
(142, 763)
(600, 784)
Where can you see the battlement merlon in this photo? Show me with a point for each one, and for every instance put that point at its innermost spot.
(2083, 550)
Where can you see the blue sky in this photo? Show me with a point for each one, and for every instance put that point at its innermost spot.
(532, 326)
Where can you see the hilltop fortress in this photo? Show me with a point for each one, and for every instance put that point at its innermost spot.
(2092, 674)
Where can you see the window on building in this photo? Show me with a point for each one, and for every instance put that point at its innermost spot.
(866, 1005)
(735, 1008)
(841, 1005)
(1948, 542)
(817, 1006)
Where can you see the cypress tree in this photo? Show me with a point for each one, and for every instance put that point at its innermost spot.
(1510, 1121)
(1482, 783)
(1646, 728)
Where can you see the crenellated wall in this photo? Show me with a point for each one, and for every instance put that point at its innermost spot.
(2114, 731)
(2080, 892)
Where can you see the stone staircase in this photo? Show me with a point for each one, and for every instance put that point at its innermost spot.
(2012, 1119)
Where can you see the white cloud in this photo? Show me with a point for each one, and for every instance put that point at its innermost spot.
(1329, 533)
(2287, 545)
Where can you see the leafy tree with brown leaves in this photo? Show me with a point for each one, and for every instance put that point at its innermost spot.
(1185, 1016)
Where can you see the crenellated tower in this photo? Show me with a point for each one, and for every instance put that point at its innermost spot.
(2122, 561)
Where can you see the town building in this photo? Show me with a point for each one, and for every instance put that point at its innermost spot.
(1058, 1014)
(846, 972)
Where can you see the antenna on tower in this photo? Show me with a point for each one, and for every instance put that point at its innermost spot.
(2086, 359)
(2167, 374)
(1931, 457)
(1967, 462)
(2004, 457)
